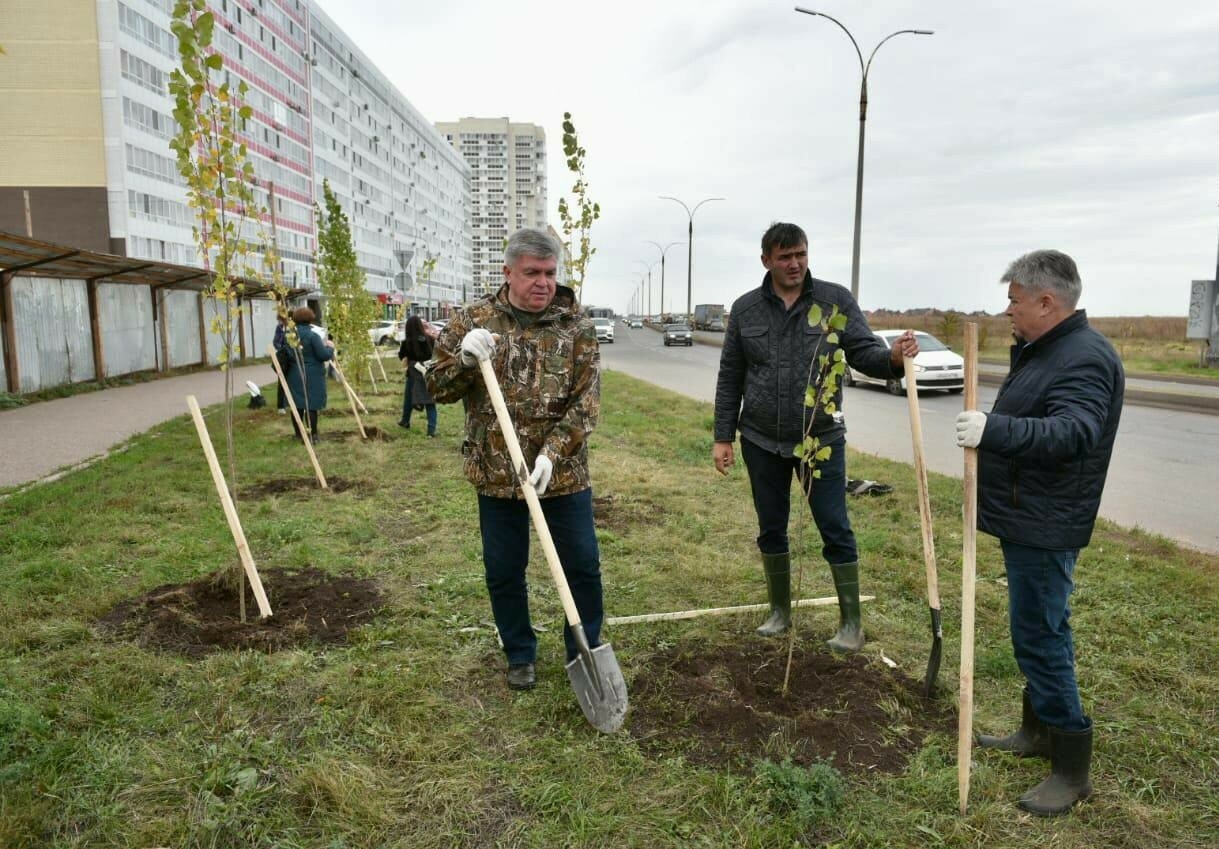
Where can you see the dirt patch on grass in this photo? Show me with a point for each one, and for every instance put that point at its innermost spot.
(613, 513)
(371, 432)
(722, 706)
(195, 619)
(286, 486)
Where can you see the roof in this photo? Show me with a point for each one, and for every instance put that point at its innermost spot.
(35, 258)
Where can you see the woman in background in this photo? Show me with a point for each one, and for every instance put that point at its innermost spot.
(307, 380)
(415, 350)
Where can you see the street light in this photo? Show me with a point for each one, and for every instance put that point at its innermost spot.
(690, 250)
(649, 267)
(864, 67)
(663, 251)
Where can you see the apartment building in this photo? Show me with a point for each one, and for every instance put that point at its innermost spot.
(507, 164)
(86, 118)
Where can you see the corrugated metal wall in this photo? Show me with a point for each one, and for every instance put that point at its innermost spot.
(128, 336)
(182, 316)
(54, 345)
(212, 310)
(3, 373)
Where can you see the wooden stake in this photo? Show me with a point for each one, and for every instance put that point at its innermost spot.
(377, 356)
(969, 540)
(283, 382)
(351, 399)
(347, 384)
(230, 511)
(372, 379)
(721, 611)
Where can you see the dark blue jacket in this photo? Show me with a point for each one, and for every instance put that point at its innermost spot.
(764, 365)
(310, 356)
(1046, 446)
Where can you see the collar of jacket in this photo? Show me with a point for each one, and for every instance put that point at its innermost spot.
(768, 289)
(563, 302)
(1078, 320)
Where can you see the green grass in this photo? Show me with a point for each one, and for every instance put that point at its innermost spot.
(407, 736)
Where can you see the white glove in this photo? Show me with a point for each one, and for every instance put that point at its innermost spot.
(421, 368)
(540, 478)
(970, 425)
(477, 346)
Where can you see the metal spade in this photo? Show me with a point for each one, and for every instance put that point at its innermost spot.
(594, 673)
(924, 515)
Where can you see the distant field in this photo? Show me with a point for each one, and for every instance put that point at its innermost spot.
(1147, 343)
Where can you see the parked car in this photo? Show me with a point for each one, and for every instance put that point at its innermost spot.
(387, 332)
(935, 367)
(605, 329)
(678, 334)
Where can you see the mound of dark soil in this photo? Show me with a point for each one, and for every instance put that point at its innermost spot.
(612, 513)
(195, 619)
(371, 432)
(723, 706)
(284, 486)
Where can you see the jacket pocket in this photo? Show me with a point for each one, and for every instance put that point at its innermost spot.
(755, 342)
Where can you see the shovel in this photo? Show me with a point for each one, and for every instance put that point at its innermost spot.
(924, 515)
(594, 673)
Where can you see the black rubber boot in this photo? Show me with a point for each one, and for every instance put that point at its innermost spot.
(778, 571)
(1070, 763)
(850, 631)
(1032, 740)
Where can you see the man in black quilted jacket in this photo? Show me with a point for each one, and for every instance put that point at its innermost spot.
(1043, 454)
(764, 373)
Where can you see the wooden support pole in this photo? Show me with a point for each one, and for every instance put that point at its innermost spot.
(372, 379)
(722, 611)
(230, 510)
(158, 300)
(969, 553)
(95, 332)
(12, 368)
(338, 369)
(381, 365)
(351, 399)
(296, 416)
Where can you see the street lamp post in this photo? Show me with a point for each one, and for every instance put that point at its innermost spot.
(690, 250)
(864, 67)
(663, 251)
(649, 267)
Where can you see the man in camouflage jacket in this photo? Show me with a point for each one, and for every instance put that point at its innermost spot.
(545, 355)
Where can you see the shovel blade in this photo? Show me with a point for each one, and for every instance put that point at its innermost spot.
(600, 688)
(937, 652)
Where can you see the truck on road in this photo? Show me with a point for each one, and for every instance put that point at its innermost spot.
(709, 317)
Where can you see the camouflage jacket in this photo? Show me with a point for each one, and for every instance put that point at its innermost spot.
(550, 374)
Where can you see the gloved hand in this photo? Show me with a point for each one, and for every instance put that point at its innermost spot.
(477, 346)
(540, 478)
(970, 425)
(421, 368)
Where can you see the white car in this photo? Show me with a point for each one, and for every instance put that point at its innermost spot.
(935, 367)
(387, 332)
(605, 329)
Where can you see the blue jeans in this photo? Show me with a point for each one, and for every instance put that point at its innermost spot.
(430, 409)
(505, 531)
(770, 477)
(1039, 585)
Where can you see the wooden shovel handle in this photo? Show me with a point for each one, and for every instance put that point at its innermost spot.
(924, 495)
(296, 417)
(531, 495)
(969, 552)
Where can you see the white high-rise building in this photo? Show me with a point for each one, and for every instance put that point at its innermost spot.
(507, 162)
(85, 136)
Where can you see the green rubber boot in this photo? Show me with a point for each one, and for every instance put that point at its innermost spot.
(1069, 783)
(850, 632)
(778, 571)
(1031, 740)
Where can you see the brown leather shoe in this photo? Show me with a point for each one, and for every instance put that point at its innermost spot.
(522, 676)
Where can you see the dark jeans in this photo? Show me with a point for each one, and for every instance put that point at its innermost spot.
(430, 409)
(505, 531)
(770, 477)
(1039, 585)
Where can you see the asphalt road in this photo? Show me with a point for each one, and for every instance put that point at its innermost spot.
(1161, 478)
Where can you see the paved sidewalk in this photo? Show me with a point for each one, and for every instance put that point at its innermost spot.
(49, 435)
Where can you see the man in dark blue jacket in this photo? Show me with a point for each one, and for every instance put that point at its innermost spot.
(765, 368)
(1043, 453)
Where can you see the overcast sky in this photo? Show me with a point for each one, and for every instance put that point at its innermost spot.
(1091, 127)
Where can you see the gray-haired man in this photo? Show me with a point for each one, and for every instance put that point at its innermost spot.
(1043, 453)
(545, 355)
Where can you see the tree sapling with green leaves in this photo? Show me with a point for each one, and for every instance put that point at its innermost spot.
(576, 225)
(350, 308)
